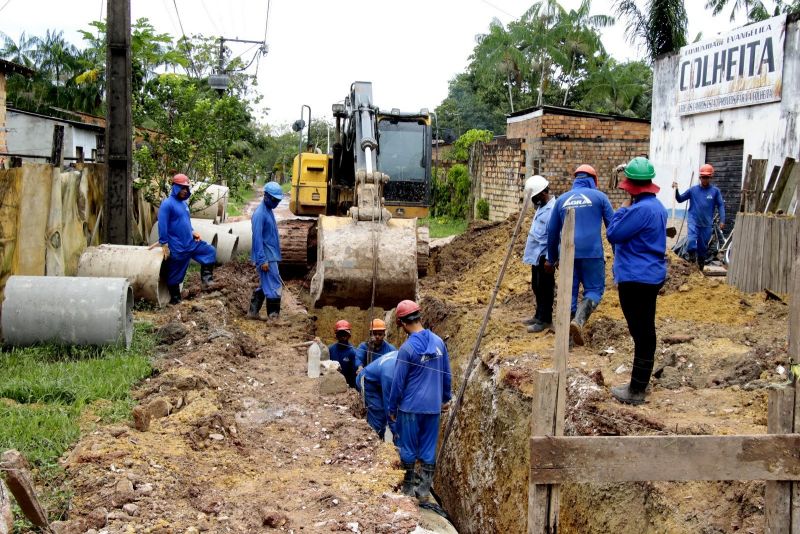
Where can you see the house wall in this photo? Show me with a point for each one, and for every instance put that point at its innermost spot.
(33, 135)
(500, 177)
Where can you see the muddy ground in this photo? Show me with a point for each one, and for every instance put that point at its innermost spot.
(241, 441)
(719, 350)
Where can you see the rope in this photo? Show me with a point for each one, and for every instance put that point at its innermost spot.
(473, 357)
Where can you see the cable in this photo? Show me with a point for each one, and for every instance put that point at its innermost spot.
(175, 3)
(501, 10)
(8, 2)
(263, 50)
(210, 18)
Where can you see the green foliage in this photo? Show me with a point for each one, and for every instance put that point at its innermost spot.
(443, 226)
(617, 88)
(450, 193)
(483, 209)
(755, 9)
(660, 27)
(463, 144)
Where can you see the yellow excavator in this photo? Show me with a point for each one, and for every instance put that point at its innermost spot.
(366, 197)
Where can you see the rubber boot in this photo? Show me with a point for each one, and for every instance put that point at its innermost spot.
(408, 479)
(174, 294)
(423, 490)
(531, 321)
(206, 275)
(539, 327)
(701, 262)
(624, 395)
(256, 301)
(273, 308)
(585, 309)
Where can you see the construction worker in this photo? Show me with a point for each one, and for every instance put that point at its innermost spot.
(376, 347)
(266, 254)
(343, 352)
(592, 208)
(420, 391)
(375, 382)
(179, 242)
(542, 280)
(638, 234)
(703, 200)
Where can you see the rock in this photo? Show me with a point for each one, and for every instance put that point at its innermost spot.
(670, 378)
(130, 509)
(73, 526)
(123, 493)
(684, 288)
(272, 518)
(621, 369)
(216, 437)
(597, 377)
(172, 332)
(328, 367)
(314, 355)
(332, 383)
(97, 518)
(141, 418)
(220, 333)
(159, 407)
(118, 515)
(144, 489)
(117, 431)
(6, 515)
(678, 338)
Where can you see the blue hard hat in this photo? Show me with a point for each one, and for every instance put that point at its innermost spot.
(274, 190)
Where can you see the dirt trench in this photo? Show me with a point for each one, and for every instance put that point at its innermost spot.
(233, 437)
(718, 351)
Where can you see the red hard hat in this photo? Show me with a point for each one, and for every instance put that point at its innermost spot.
(706, 170)
(407, 307)
(588, 169)
(341, 325)
(180, 179)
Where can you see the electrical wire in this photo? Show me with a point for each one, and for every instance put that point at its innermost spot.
(4, 5)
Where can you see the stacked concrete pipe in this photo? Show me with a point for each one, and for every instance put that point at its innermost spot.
(216, 235)
(215, 209)
(244, 231)
(67, 311)
(140, 265)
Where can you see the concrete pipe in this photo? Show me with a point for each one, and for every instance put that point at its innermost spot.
(212, 204)
(227, 247)
(141, 266)
(67, 310)
(244, 231)
(345, 262)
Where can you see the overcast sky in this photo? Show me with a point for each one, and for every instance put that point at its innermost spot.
(409, 49)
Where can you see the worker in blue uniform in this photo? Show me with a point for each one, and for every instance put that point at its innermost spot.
(703, 199)
(342, 351)
(420, 390)
(377, 346)
(638, 233)
(592, 208)
(266, 254)
(179, 242)
(375, 383)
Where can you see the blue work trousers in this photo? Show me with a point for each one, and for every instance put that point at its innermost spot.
(270, 281)
(697, 240)
(591, 274)
(419, 433)
(176, 267)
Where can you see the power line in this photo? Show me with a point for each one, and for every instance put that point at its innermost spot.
(266, 25)
(501, 10)
(175, 3)
(210, 18)
(4, 5)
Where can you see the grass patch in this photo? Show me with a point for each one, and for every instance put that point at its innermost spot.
(443, 226)
(235, 205)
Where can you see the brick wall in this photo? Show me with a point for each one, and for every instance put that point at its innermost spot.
(558, 143)
(500, 172)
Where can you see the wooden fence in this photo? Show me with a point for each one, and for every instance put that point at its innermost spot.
(764, 247)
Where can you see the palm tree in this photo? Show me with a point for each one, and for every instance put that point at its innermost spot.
(22, 51)
(661, 28)
(498, 53)
(755, 9)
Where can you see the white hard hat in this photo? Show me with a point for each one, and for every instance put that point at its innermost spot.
(535, 185)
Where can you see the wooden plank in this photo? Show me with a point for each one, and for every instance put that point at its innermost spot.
(778, 494)
(543, 419)
(790, 191)
(758, 171)
(557, 460)
(561, 351)
(18, 479)
(764, 202)
(780, 185)
(746, 188)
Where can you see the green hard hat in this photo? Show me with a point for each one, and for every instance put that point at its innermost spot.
(640, 168)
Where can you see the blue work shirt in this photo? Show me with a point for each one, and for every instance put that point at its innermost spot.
(266, 243)
(592, 208)
(702, 201)
(345, 354)
(638, 234)
(377, 379)
(363, 353)
(536, 245)
(175, 225)
(421, 376)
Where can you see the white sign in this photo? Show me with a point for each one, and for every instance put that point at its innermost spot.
(740, 68)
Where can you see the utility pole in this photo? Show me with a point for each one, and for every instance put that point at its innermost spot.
(119, 125)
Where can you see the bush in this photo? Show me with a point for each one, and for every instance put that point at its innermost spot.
(464, 143)
(483, 209)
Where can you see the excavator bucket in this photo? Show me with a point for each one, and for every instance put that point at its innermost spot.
(347, 259)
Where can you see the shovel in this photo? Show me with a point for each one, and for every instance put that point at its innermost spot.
(671, 230)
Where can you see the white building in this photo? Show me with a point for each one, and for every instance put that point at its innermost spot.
(31, 136)
(721, 100)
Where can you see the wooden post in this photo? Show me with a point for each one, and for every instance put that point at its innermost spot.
(57, 152)
(778, 494)
(15, 472)
(566, 267)
(543, 423)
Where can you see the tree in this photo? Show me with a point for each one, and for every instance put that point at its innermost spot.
(755, 9)
(498, 56)
(618, 88)
(661, 28)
